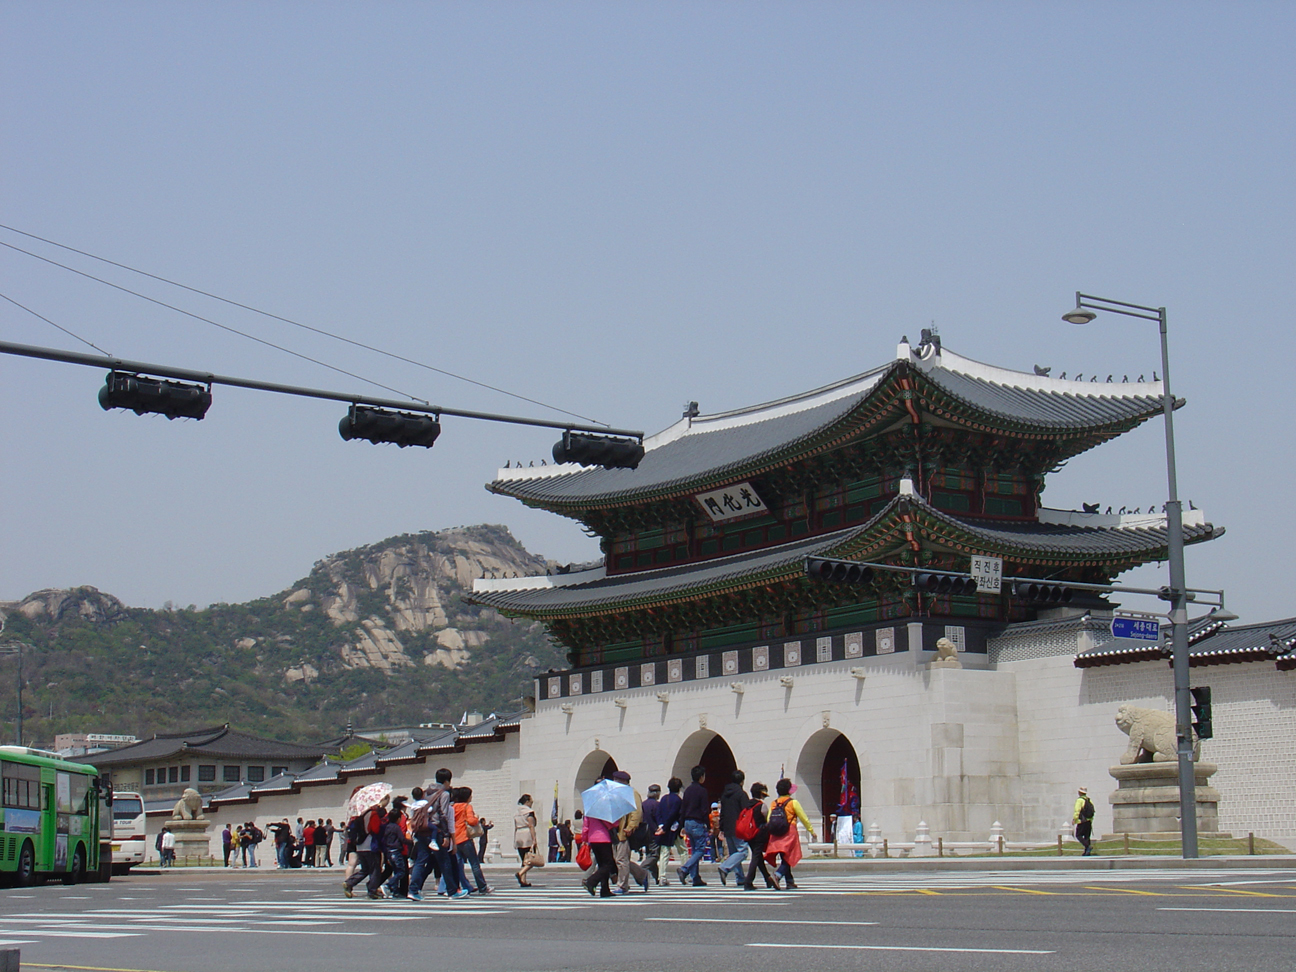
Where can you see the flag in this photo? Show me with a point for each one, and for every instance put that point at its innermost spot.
(553, 817)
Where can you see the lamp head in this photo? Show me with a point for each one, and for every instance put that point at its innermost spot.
(1222, 613)
(1079, 316)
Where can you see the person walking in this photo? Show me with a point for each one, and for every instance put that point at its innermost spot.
(329, 832)
(395, 854)
(695, 811)
(166, 847)
(758, 840)
(598, 835)
(733, 801)
(441, 818)
(1082, 816)
(630, 830)
(368, 844)
(467, 826)
(669, 823)
(524, 837)
(652, 817)
(784, 838)
(421, 836)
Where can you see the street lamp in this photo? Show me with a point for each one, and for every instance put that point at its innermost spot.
(1176, 593)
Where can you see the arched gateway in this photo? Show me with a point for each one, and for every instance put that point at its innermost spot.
(825, 759)
(594, 767)
(709, 749)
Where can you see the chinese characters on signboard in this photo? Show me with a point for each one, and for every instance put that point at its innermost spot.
(731, 502)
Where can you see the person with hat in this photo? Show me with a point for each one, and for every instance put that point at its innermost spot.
(1082, 816)
(631, 830)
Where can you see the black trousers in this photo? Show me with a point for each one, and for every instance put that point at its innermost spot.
(1082, 833)
(605, 868)
(757, 845)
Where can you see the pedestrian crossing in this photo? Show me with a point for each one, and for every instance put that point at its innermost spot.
(320, 910)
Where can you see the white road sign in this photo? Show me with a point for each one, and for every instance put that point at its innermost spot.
(988, 574)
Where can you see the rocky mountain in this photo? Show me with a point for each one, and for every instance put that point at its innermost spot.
(377, 636)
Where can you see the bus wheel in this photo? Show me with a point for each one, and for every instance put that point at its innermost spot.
(25, 875)
(77, 872)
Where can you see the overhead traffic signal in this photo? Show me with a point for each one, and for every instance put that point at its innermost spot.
(378, 425)
(953, 584)
(838, 571)
(1201, 712)
(598, 450)
(142, 395)
(1042, 593)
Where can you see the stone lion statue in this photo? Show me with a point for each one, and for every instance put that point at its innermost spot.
(946, 650)
(1151, 735)
(189, 806)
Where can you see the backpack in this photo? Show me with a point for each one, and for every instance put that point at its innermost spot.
(779, 824)
(355, 830)
(638, 838)
(418, 821)
(1087, 811)
(746, 828)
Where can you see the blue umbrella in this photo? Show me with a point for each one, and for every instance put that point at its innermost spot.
(608, 800)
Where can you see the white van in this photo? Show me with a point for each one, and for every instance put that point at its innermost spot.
(129, 841)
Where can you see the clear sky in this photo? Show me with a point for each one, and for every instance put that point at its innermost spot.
(617, 208)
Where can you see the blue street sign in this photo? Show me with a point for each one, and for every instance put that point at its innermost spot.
(1137, 629)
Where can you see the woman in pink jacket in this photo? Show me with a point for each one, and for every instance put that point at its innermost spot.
(598, 834)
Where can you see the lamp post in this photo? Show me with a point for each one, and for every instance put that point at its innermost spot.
(1176, 593)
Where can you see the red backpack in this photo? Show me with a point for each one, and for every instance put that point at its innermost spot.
(746, 828)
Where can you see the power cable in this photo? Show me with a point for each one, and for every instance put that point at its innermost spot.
(223, 327)
(308, 327)
(88, 344)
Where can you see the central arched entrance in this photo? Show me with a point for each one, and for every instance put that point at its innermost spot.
(596, 766)
(825, 758)
(709, 749)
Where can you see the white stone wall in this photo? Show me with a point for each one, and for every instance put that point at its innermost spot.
(939, 746)
(490, 768)
(1069, 738)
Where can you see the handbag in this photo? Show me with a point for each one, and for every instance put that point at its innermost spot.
(584, 859)
(475, 830)
(534, 860)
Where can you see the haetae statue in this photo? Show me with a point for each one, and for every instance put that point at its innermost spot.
(189, 806)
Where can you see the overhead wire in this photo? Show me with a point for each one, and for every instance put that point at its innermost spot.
(288, 320)
(223, 327)
(89, 344)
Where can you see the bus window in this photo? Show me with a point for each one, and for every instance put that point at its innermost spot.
(21, 788)
(127, 807)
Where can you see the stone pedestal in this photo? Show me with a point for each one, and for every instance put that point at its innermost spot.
(1146, 801)
(190, 838)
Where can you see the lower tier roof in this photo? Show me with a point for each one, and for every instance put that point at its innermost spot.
(1039, 544)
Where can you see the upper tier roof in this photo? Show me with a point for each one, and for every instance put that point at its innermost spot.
(1061, 538)
(712, 450)
(217, 742)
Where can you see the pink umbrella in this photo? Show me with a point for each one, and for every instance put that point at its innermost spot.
(367, 797)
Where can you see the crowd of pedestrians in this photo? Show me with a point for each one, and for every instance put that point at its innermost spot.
(398, 843)
(694, 828)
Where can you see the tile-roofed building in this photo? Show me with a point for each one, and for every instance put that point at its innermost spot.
(207, 759)
(700, 639)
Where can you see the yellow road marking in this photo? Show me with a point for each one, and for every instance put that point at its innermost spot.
(1003, 887)
(1155, 894)
(84, 968)
(1209, 887)
(927, 891)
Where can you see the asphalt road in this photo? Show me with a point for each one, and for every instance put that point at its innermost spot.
(189, 921)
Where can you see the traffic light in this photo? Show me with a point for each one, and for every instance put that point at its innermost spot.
(173, 399)
(598, 450)
(1042, 593)
(376, 425)
(838, 571)
(945, 584)
(1201, 711)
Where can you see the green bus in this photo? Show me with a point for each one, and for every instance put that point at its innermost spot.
(51, 818)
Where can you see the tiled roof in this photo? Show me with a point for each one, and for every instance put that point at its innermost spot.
(220, 742)
(710, 450)
(1210, 642)
(1025, 542)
